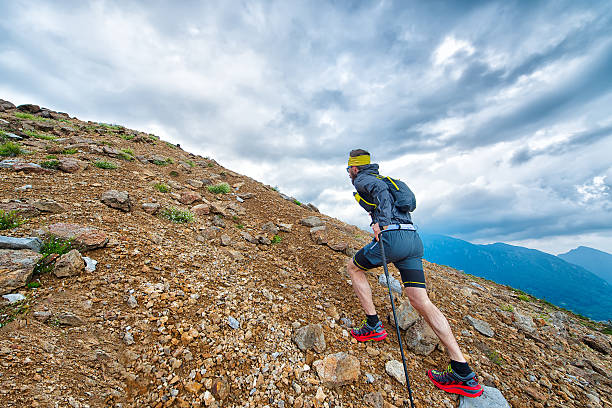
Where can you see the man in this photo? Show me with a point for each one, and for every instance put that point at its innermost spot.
(404, 248)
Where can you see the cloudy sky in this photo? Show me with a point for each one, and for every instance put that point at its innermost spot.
(497, 114)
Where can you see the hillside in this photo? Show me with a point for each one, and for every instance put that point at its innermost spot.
(598, 262)
(206, 313)
(537, 273)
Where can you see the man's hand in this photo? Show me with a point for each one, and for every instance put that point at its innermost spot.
(376, 230)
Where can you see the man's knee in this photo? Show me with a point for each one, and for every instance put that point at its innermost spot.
(418, 298)
(351, 268)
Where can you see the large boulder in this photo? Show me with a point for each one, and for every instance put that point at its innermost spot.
(16, 268)
(117, 199)
(338, 369)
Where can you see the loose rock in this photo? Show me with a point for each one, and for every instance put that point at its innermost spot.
(490, 398)
(17, 267)
(32, 244)
(481, 326)
(338, 369)
(117, 199)
(312, 221)
(310, 338)
(69, 264)
(421, 339)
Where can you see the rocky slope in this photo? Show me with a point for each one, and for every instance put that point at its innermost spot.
(246, 305)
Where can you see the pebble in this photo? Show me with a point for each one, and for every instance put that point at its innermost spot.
(233, 323)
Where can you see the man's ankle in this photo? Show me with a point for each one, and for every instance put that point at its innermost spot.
(372, 320)
(462, 369)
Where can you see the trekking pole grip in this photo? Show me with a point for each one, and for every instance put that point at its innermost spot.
(397, 329)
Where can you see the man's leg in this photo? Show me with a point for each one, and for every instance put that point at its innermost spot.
(459, 378)
(361, 287)
(436, 320)
(372, 328)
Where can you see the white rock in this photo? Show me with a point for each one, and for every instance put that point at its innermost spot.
(14, 297)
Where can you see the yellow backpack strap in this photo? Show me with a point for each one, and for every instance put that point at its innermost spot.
(364, 203)
(390, 179)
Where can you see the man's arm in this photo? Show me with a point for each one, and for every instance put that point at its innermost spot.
(378, 190)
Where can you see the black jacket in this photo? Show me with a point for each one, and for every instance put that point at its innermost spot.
(376, 192)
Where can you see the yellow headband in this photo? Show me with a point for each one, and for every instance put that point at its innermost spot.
(359, 160)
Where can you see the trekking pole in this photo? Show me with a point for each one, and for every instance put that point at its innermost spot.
(399, 336)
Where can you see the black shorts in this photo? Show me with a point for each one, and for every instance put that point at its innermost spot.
(403, 248)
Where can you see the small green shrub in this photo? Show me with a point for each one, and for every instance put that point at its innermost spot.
(51, 164)
(50, 157)
(10, 149)
(51, 245)
(210, 164)
(125, 156)
(276, 239)
(495, 357)
(161, 162)
(275, 188)
(109, 126)
(524, 297)
(39, 135)
(127, 137)
(22, 115)
(105, 165)
(174, 173)
(221, 188)
(239, 226)
(128, 151)
(170, 145)
(55, 245)
(161, 187)
(33, 285)
(176, 215)
(70, 151)
(10, 220)
(63, 120)
(297, 202)
(508, 308)
(190, 163)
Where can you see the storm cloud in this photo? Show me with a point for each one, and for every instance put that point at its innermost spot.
(497, 114)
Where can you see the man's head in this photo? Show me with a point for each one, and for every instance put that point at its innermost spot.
(357, 159)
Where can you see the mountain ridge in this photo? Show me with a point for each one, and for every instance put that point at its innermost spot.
(205, 313)
(591, 259)
(535, 272)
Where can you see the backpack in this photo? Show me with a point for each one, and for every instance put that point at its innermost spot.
(404, 199)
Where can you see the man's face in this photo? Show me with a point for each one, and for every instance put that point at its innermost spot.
(352, 171)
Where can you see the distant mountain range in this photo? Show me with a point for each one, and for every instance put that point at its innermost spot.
(598, 262)
(540, 274)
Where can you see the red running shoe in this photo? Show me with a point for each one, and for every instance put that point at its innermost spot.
(367, 333)
(449, 381)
